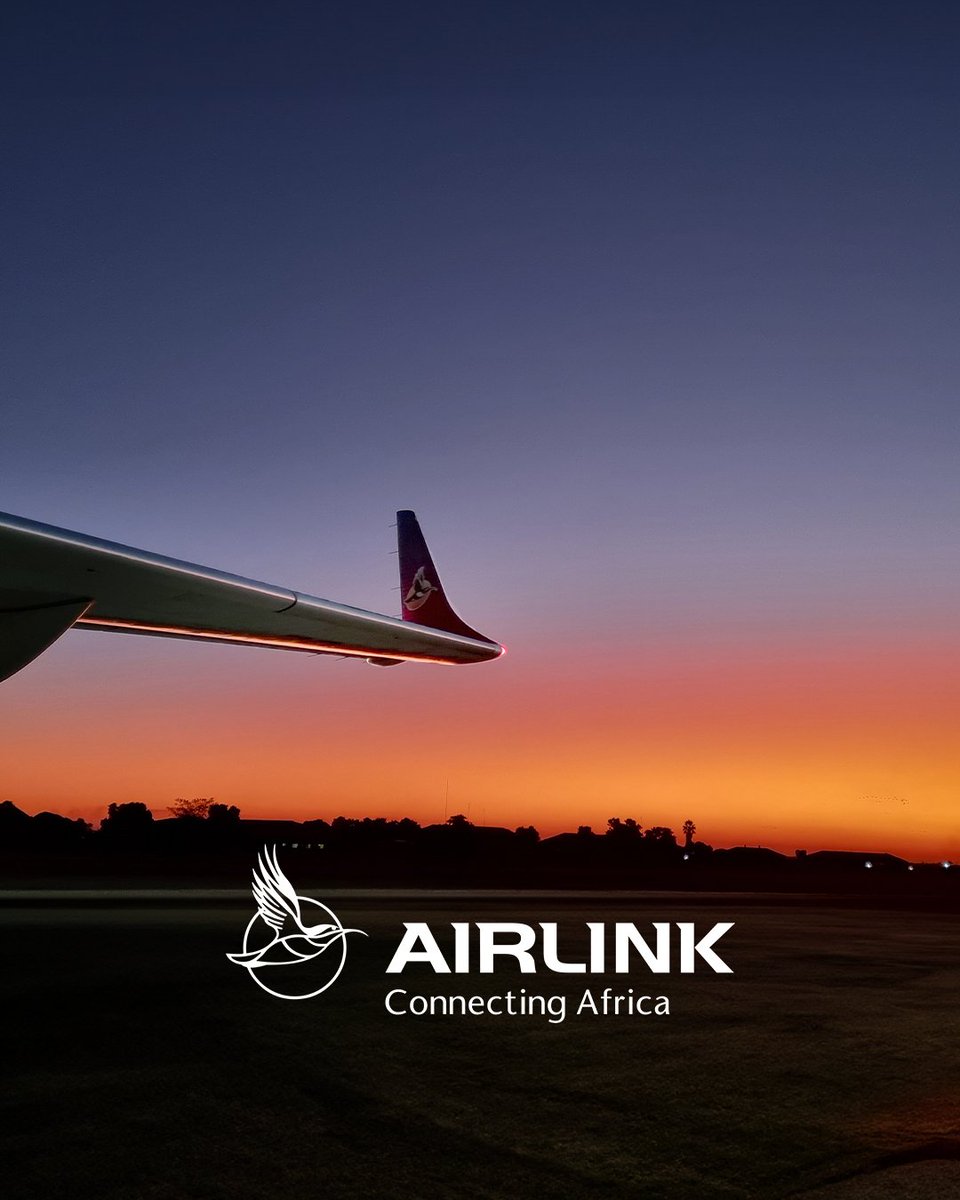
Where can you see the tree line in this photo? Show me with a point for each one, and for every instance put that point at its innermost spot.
(202, 824)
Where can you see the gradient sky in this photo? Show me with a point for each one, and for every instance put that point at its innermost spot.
(650, 312)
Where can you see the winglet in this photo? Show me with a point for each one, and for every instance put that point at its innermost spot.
(422, 594)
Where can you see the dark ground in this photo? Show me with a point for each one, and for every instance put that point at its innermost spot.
(142, 1064)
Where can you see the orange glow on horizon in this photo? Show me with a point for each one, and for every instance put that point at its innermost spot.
(838, 746)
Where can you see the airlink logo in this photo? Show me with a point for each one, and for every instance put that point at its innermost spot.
(509, 939)
(290, 931)
(284, 939)
(531, 951)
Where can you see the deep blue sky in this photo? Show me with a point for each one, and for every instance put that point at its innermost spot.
(650, 311)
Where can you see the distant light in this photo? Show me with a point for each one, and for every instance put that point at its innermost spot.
(868, 864)
(686, 857)
(946, 864)
(910, 866)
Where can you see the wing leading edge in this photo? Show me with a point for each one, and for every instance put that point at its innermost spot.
(53, 579)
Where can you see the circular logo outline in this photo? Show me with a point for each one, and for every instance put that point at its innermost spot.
(252, 970)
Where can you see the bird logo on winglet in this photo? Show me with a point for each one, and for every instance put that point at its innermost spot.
(293, 932)
(419, 591)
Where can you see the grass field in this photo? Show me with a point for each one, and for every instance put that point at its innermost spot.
(141, 1063)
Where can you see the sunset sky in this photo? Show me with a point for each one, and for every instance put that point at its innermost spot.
(650, 313)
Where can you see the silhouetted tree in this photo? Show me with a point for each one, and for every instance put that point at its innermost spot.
(222, 826)
(618, 830)
(527, 834)
(660, 835)
(221, 815)
(198, 807)
(659, 844)
(128, 825)
(458, 821)
(689, 830)
(134, 816)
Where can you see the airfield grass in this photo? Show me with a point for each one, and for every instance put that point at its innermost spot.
(142, 1064)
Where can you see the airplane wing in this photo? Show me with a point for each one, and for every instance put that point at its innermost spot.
(53, 579)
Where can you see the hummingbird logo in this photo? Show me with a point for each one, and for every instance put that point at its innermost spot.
(290, 931)
(419, 590)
